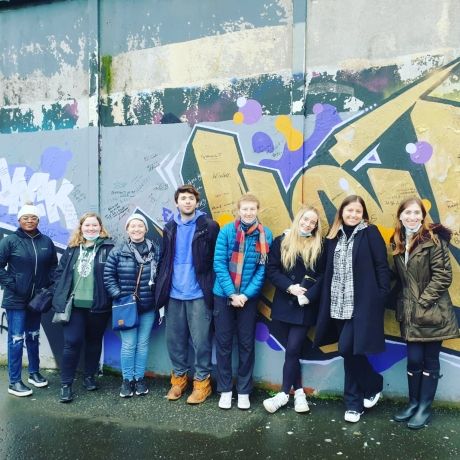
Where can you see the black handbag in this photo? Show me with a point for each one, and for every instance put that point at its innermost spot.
(41, 301)
(307, 282)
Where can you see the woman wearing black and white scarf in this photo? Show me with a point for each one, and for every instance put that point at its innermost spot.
(120, 278)
(355, 284)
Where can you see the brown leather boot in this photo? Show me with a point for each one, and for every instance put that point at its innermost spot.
(201, 390)
(178, 386)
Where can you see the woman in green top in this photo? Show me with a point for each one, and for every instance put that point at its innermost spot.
(81, 274)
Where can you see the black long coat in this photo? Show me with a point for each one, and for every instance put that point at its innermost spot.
(285, 307)
(371, 279)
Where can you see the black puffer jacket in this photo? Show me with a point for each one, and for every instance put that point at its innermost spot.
(120, 275)
(31, 261)
(63, 278)
(424, 308)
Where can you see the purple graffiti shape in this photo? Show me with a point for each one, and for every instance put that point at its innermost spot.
(167, 214)
(54, 162)
(394, 352)
(262, 142)
(273, 344)
(262, 332)
(291, 161)
(252, 112)
(423, 152)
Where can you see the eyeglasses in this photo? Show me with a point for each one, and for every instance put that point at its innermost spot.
(29, 218)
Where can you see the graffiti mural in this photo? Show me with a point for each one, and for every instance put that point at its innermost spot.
(113, 113)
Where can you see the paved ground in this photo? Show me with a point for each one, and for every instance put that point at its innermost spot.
(101, 425)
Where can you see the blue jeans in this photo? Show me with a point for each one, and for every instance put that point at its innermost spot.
(229, 320)
(20, 322)
(189, 319)
(135, 347)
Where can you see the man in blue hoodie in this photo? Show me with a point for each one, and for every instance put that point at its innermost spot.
(184, 286)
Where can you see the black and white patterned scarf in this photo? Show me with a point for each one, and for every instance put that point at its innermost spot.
(342, 287)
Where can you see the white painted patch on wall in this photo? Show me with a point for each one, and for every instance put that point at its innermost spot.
(352, 104)
(214, 59)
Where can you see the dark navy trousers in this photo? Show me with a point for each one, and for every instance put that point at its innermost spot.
(229, 320)
(361, 380)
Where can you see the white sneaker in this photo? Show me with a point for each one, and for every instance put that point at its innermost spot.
(352, 416)
(277, 401)
(225, 401)
(243, 402)
(300, 401)
(372, 401)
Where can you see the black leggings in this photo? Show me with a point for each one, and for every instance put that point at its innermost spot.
(83, 327)
(423, 356)
(296, 336)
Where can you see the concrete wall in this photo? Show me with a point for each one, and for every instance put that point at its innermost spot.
(110, 105)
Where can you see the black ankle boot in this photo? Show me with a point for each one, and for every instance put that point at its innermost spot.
(414, 379)
(427, 392)
(66, 394)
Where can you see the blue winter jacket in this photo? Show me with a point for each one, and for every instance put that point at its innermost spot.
(253, 275)
(120, 276)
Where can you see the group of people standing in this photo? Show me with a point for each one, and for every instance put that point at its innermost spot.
(209, 278)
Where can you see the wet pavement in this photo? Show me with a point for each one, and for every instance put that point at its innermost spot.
(100, 425)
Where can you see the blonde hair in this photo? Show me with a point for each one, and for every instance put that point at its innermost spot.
(338, 219)
(248, 197)
(295, 245)
(77, 237)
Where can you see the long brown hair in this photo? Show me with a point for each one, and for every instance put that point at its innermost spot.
(77, 236)
(294, 245)
(398, 239)
(338, 219)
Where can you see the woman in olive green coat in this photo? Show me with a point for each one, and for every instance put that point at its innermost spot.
(424, 308)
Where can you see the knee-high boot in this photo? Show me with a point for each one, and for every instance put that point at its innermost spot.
(427, 392)
(414, 379)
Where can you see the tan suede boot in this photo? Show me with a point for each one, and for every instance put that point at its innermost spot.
(201, 390)
(178, 386)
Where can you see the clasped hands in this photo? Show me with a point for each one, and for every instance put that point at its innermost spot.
(299, 292)
(238, 300)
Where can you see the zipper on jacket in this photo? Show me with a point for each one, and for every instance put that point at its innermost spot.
(36, 264)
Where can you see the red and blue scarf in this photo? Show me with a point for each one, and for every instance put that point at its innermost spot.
(237, 258)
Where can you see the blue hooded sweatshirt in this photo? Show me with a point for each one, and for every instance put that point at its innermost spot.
(184, 283)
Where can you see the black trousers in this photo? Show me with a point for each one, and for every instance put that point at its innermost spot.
(86, 328)
(361, 380)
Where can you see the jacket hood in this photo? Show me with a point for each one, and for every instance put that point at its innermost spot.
(441, 232)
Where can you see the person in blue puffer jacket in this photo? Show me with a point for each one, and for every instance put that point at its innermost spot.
(239, 263)
(120, 278)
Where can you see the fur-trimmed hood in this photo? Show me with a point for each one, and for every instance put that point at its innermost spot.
(441, 232)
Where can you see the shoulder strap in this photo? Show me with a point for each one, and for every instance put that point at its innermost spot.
(135, 293)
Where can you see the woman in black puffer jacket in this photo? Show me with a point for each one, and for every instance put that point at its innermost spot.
(120, 276)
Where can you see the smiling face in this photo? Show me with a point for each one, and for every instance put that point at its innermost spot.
(136, 230)
(90, 227)
(248, 211)
(412, 216)
(352, 213)
(308, 222)
(28, 223)
(186, 204)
